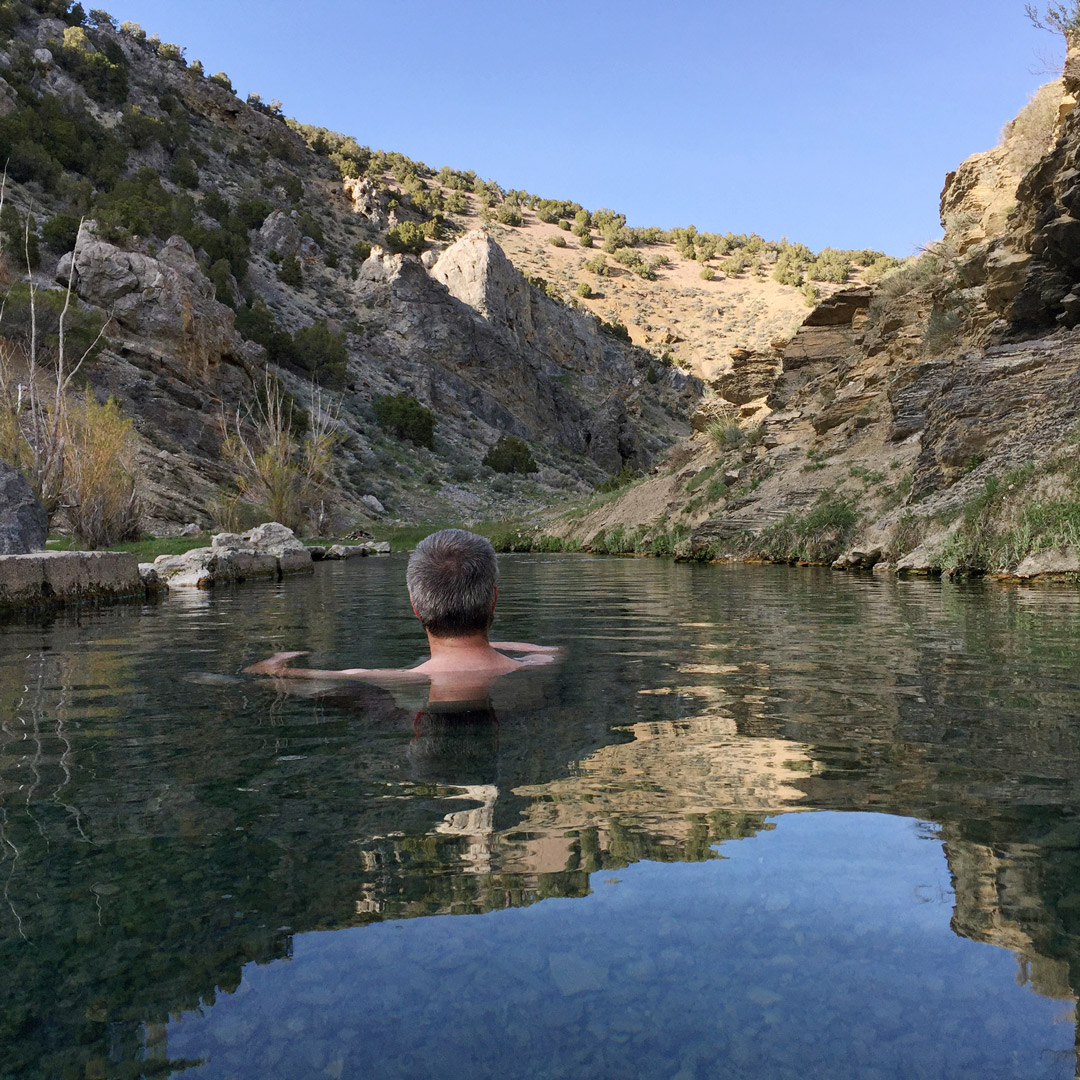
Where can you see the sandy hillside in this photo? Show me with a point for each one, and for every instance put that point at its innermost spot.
(699, 322)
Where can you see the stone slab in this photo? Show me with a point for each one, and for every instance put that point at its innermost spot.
(51, 578)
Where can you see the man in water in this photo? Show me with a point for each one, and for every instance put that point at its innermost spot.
(452, 579)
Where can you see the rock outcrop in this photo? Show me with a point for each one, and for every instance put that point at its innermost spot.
(164, 302)
(268, 551)
(473, 337)
(23, 521)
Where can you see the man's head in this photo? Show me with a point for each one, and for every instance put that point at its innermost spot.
(452, 576)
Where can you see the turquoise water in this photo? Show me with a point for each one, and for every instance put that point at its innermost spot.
(760, 823)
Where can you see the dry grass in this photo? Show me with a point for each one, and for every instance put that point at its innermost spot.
(101, 503)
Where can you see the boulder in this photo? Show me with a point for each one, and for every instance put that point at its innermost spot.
(267, 551)
(281, 233)
(840, 308)
(23, 521)
(151, 579)
(857, 559)
(476, 271)
(1050, 564)
(165, 300)
(710, 411)
(352, 551)
(373, 504)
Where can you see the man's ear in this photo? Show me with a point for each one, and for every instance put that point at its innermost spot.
(413, 606)
(495, 599)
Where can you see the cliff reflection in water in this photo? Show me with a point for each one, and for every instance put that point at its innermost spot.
(163, 824)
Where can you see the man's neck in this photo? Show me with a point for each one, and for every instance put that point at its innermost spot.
(454, 650)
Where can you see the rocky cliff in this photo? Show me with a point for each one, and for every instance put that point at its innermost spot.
(928, 423)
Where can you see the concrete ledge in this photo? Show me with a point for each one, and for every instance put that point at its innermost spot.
(49, 578)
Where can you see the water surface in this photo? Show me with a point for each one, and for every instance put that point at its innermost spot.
(760, 823)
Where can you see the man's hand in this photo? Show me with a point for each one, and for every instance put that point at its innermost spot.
(274, 665)
(525, 647)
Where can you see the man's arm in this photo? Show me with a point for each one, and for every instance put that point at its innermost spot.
(276, 666)
(525, 647)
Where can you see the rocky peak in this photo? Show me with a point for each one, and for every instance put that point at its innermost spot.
(478, 273)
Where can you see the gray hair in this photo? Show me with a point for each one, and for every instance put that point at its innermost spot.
(452, 577)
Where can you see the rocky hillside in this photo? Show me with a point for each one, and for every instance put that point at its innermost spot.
(928, 423)
(230, 259)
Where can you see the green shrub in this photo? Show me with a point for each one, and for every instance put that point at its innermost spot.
(584, 290)
(253, 212)
(597, 265)
(183, 173)
(103, 74)
(707, 273)
(322, 354)
(557, 241)
(82, 326)
(404, 417)
(61, 231)
(49, 134)
(942, 330)
(725, 433)
(19, 238)
(1031, 509)
(219, 274)
(586, 240)
(255, 322)
(360, 251)
(139, 130)
(222, 80)
(406, 238)
(510, 455)
(172, 53)
(289, 273)
(626, 475)
(616, 330)
(508, 213)
(99, 473)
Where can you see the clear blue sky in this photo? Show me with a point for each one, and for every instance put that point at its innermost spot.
(831, 122)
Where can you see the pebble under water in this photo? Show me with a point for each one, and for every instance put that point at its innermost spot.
(760, 823)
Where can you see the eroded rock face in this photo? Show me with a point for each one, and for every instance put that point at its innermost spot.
(367, 200)
(23, 521)
(753, 375)
(165, 299)
(475, 338)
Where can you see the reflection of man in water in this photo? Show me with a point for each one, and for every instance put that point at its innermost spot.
(452, 578)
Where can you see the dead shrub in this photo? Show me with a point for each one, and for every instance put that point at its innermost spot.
(282, 474)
